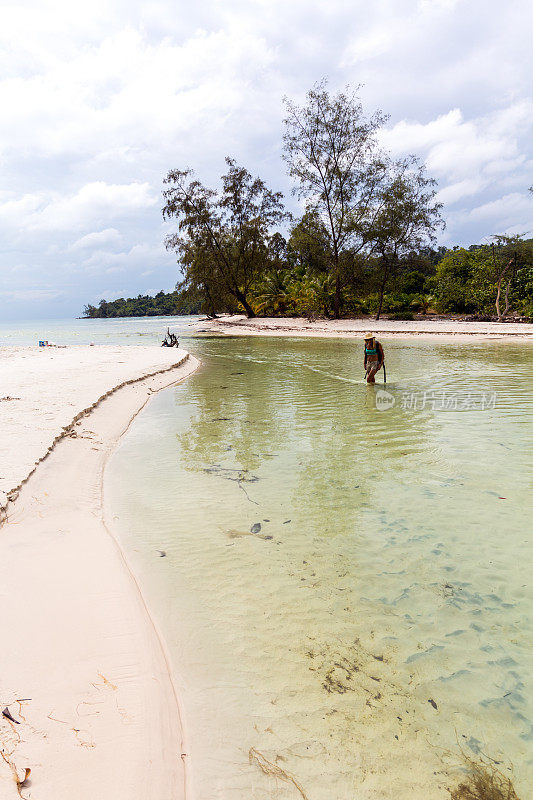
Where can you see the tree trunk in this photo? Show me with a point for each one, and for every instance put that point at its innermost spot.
(337, 294)
(506, 309)
(250, 313)
(498, 293)
(337, 302)
(211, 310)
(500, 279)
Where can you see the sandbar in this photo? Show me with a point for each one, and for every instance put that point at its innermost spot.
(443, 329)
(85, 674)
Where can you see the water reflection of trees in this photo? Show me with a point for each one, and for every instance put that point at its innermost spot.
(262, 398)
(343, 474)
(238, 416)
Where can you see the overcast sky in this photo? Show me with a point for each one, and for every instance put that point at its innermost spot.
(99, 100)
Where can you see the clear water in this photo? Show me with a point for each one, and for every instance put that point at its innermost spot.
(380, 622)
(130, 330)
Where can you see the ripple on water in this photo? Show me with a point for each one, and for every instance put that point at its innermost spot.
(383, 612)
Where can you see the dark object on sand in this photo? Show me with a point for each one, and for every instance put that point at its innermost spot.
(433, 703)
(170, 340)
(484, 782)
(7, 714)
(256, 527)
(162, 553)
(24, 782)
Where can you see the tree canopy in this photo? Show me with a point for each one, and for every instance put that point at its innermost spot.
(331, 151)
(223, 237)
(364, 242)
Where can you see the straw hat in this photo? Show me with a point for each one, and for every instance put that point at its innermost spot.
(369, 336)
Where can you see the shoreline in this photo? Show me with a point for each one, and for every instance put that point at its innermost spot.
(44, 392)
(86, 673)
(451, 330)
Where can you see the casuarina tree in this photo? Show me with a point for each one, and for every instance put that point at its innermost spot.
(331, 151)
(222, 237)
(407, 218)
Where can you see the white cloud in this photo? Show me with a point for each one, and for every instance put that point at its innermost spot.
(471, 158)
(510, 214)
(32, 295)
(125, 91)
(458, 148)
(436, 6)
(370, 45)
(507, 210)
(108, 236)
(106, 261)
(99, 105)
(94, 202)
(458, 191)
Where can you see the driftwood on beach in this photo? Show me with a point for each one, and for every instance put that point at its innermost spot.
(170, 340)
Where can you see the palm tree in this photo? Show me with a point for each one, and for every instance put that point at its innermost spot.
(274, 293)
(323, 288)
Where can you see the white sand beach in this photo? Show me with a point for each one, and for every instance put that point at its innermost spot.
(43, 390)
(428, 328)
(85, 673)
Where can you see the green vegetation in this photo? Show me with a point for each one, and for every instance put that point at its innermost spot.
(226, 241)
(297, 282)
(173, 303)
(364, 243)
(467, 281)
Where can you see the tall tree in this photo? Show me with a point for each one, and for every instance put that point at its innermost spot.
(407, 218)
(331, 151)
(308, 245)
(222, 238)
(509, 255)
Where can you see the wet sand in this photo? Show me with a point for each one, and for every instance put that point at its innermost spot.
(85, 674)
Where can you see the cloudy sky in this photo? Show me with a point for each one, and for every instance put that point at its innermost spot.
(99, 100)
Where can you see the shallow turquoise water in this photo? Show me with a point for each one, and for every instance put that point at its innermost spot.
(125, 330)
(380, 620)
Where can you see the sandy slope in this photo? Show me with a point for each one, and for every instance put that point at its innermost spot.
(50, 386)
(84, 670)
(277, 326)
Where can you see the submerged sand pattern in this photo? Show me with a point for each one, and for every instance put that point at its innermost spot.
(383, 632)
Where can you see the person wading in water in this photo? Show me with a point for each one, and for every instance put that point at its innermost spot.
(374, 357)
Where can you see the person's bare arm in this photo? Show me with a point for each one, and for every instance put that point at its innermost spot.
(381, 354)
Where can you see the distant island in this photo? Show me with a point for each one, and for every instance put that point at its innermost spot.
(163, 304)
